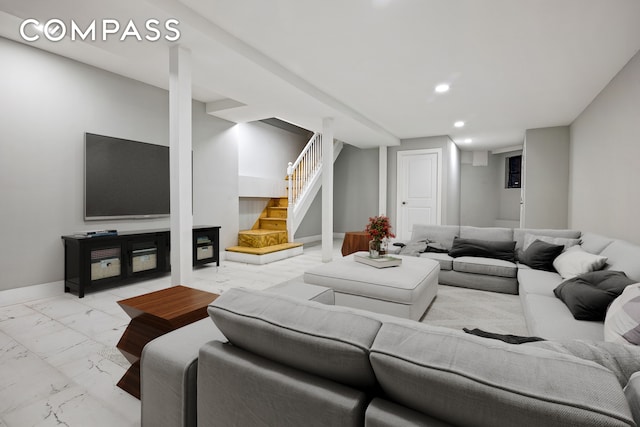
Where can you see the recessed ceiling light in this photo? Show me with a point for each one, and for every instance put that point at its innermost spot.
(459, 124)
(468, 141)
(442, 88)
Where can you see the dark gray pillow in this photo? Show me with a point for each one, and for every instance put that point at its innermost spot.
(588, 295)
(540, 255)
(483, 248)
(436, 247)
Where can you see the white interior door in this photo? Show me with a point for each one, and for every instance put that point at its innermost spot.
(419, 189)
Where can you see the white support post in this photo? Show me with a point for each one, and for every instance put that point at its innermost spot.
(327, 189)
(180, 165)
(382, 180)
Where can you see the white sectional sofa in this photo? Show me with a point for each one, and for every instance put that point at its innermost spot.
(276, 360)
(546, 316)
(272, 360)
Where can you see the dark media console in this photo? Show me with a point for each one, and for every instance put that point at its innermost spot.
(129, 255)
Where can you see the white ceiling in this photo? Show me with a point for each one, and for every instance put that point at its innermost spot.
(372, 65)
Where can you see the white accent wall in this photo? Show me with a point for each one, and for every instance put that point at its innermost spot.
(604, 158)
(264, 152)
(48, 103)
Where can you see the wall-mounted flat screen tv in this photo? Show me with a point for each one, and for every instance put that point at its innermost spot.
(125, 179)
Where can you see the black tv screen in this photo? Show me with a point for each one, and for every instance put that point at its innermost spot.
(125, 179)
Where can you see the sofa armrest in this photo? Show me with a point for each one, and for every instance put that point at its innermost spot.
(168, 373)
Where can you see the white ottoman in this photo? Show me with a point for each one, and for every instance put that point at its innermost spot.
(404, 291)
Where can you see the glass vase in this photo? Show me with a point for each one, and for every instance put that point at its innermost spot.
(374, 248)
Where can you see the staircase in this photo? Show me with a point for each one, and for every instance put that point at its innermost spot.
(271, 237)
(267, 236)
(305, 180)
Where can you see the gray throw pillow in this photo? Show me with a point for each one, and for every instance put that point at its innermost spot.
(539, 255)
(588, 295)
(483, 248)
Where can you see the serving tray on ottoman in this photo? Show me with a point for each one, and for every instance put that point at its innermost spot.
(403, 291)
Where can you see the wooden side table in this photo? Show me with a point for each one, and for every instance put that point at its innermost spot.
(355, 241)
(152, 315)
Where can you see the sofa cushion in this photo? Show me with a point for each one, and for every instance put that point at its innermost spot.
(445, 260)
(520, 233)
(587, 296)
(327, 341)
(575, 261)
(540, 255)
(549, 318)
(499, 234)
(594, 243)
(483, 248)
(486, 266)
(443, 234)
(467, 380)
(632, 393)
(622, 360)
(382, 413)
(623, 256)
(239, 388)
(622, 322)
(538, 282)
(482, 282)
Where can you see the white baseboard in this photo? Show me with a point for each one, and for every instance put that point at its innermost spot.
(30, 293)
(308, 239)
(317, 238)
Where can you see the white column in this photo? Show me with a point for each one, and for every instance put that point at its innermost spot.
(327, 189)
(180, 165)
(382, 180)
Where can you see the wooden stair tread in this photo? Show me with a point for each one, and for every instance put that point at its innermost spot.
(259, 232)
(265, 250)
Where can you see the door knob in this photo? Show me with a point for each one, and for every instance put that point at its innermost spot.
(404, 203)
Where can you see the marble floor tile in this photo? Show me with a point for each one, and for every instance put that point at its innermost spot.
(59, 306)
(58, 359)
(93, 322)
(25, 378)
(13, 311)
(69, 406)
(31, 328)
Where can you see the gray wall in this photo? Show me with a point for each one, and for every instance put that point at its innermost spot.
(605, 153)
(450, 175)
(355, 188)
(485, 201)
(480, 200)
(311, 225)
(48, 103)
(546, 177)
(355, 193)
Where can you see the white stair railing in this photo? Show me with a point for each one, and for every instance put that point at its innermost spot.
(304, 179)
(308, 163)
